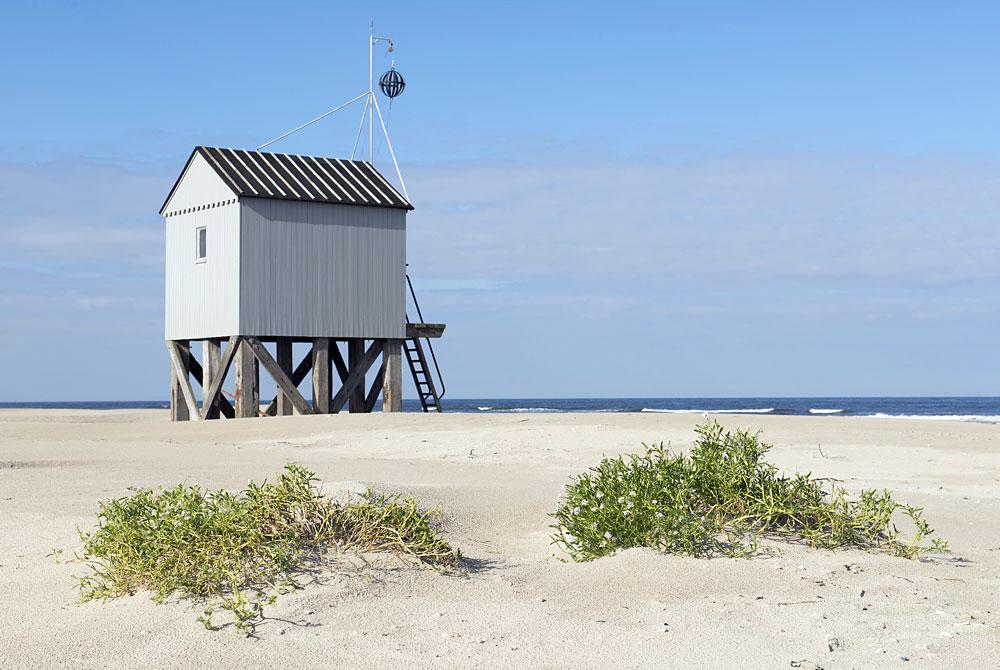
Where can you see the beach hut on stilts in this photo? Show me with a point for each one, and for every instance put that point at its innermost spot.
(265, 251)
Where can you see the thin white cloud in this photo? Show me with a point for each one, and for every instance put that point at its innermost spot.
(80, 211)
(685, 260)
(751, 217)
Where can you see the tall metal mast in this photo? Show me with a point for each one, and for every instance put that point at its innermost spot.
(371, 93)
(371, 106)
(372, 39)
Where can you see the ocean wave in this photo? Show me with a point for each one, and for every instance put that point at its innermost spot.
(502, 410)
(825, 411)
(767, 410)
(973, 418)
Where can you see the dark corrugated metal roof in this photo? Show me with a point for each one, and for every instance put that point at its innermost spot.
(256, 174)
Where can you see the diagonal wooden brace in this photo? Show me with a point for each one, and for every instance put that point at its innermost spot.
(225, 407)
(299, 374)
(355, 376)
(184, 379)
(338, 361)
(211, 394)
(376, 390)
(280, 376)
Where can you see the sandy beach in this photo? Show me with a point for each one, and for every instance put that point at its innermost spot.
(522, 603)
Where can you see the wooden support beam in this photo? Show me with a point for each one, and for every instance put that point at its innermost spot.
(283, 357)
(355, 375)
(301, 370)
(392, 385)
(211, 354)
(375, 390)
(338, 360)
(178, 406)
(284, 382)
(322, 371)
(211, 395)
(182, 394)
(355, 352)
(225, 407)
(247, 381)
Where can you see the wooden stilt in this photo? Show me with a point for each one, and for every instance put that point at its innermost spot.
(355, 352)
(211, 354)
(322, 371)
(247, 382)
(178, 405)
(284, 360)
(392, 384)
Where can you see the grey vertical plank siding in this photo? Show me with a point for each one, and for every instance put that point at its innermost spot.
(321, 270)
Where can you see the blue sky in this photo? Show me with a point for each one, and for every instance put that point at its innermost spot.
(621, 199)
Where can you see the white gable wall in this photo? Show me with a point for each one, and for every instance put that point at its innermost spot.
(202, 298)
(199, 185)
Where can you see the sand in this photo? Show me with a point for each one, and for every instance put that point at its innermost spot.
(522, 603)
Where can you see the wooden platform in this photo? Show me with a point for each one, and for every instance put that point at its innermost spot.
(432, 330)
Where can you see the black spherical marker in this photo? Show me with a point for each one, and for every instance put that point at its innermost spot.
(392, 84)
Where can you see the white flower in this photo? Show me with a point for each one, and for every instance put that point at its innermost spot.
(583, 502)
(621, 499)
(608, 535)
(576, 510)
(629, 506)
(625, 513)
(656, 502)
(659, 515)
(599, 495)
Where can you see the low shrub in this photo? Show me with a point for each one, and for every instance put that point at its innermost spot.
(721, 500)
(240, 550)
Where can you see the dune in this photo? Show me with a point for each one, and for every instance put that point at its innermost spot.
(522, 603)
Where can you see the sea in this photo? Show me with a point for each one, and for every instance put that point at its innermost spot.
(974, 409)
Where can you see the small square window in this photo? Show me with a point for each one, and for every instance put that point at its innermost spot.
(201, 244)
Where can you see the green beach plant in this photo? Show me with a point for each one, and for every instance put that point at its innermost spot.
(239, 551)
(721, 500)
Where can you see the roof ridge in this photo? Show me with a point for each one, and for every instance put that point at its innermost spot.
(285, 153)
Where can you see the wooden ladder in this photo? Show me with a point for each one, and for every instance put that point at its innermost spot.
(423, 380)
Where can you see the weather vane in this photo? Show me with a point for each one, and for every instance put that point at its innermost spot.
(392, 83)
